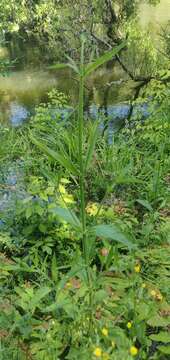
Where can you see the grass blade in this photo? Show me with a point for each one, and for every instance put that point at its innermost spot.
(63, 160)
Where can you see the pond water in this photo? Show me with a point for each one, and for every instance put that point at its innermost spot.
(28, 85)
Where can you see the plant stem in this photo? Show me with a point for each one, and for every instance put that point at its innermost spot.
(82, 184)
(81, 165)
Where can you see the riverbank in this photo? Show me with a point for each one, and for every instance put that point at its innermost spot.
(84, 180)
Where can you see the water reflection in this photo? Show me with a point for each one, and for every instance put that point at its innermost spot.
(29, 83)
(22, 90)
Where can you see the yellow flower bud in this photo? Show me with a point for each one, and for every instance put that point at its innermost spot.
(143, 286)
(105, 332)
(133, 351)
(137, 268)
(97, 352)
(129, 325)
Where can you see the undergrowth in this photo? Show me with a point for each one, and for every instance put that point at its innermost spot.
(84, 259)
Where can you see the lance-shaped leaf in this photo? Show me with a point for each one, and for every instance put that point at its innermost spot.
(70, 65)
(67, 215)
(145, 204)
(63, 160)
(38, 296)
(113, 232)
(103, 59)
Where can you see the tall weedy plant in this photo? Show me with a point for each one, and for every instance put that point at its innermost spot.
(79, 169)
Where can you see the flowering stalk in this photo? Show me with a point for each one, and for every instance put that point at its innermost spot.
(81, 165)
(82, 181)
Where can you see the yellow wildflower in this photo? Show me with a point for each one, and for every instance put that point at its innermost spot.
(137, 268)
(97, 352)
(68, 284)
(65, 181)
(65, 196)
(153, 293)
(62, 189)
(105, 332)
(129, 325)
(133, 351)
(143, 286)
(92, 209)
(68, 199)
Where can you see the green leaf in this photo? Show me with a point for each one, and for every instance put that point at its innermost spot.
(29, 212)
(54, 269)
(72, 64)
(103, 59)
(144, 311)
(17, 268)
(64, 161)
(65, 303)
(40, 294)
(100, 296)
(145, 204)
(74, 271)
(43, 228)
(158, 321)
(67, 215)
(163, 336)
(118, 283)
(113, 232)
(165, 349)
(91, 145)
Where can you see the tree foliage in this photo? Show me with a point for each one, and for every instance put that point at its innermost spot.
(59, 23)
